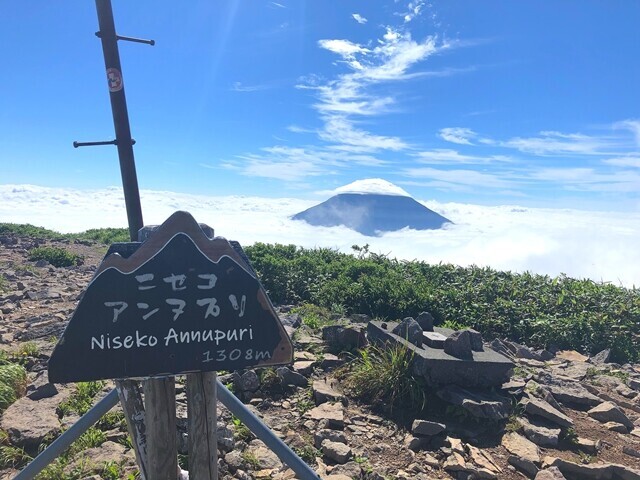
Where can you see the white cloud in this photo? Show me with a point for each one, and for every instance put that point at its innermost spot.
(414, 9)
(626, 161)
(340, 130)
(359, 18)
(344, 48)
(461, 136)
(631, 125)
(589, 179)
(468, 178)
(448, 156)
(239, 87)
(557, 143)
(597, 245)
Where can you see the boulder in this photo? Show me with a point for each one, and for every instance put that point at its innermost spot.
(344, 337)
(424, 428)
(336, 451)
(410, 330)
(425, 320)
(479, 404)
(610, 412)
(28, 422)
(544, 410)
(458, 344)
(289, 377)
(551, 473)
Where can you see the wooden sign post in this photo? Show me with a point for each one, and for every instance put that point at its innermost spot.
(182, 303)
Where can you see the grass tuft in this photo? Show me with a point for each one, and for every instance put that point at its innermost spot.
(382, 376)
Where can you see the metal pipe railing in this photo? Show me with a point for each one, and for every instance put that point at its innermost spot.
(228, 399)
(65, 440)
(281, 449)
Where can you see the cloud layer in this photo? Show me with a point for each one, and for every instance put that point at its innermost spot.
(596, 245)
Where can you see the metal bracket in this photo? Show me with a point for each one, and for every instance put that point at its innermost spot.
(95, 144)
(131, 39)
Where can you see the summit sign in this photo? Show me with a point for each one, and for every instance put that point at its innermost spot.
(181, 303)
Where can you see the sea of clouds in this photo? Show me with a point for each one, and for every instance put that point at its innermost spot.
(582, 244)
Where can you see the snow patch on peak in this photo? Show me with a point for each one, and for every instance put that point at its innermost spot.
(372, 186)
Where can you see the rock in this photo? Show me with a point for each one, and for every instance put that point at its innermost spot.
(529, 468)
(265, 456)
(544, 410)
(234, 460)
(291, 320)
(425, 428)
(635, 384)
(93, 459)
(330, 361)
(522, 448)
(336, 451)
(425, 320)
(455, 463)
(551, 473)
(410, 330)
(626, 449)
(616, 427)
(542, 436)
(414, 443)
(28, 422)
(224, 437)
(304, 367)
(572, 356)
(41, 388)
(476, 340)
(458, 344)
(433, 339)
(332, 412)
(350, 470)
(602, 357)
(484, 460)
(610, 412)
(359, 318)
(344, 337)
(326, 390)
(577, 471)
(289, 377)
(328, 434)
(479, 404)
(573, 395)
(248, 381)
(587, 445)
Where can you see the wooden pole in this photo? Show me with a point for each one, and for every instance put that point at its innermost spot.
(162, 443)
(202, 407)
(131, 402)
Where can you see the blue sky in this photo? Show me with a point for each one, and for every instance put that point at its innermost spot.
(533, 103)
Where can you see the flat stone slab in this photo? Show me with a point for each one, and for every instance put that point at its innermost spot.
(433, 339)
(484, 368)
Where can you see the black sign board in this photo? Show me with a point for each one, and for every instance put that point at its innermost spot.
(180, 303)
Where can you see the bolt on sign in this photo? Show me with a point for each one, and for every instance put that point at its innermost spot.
(181, 303)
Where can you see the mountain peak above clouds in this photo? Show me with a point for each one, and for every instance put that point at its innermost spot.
(372, 207)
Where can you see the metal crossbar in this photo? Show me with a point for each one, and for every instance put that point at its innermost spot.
(228, 399)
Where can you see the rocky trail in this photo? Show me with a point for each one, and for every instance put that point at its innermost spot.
(557, 415)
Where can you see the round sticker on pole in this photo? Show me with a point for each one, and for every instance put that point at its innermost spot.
(114, 78)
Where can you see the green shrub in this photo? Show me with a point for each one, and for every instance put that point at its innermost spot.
(56, 256)
(106, 236)
(535, 309)
(4, 285)
(13, 380)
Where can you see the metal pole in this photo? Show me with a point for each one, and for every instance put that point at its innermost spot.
(120, 116)
(63, 442)
(288, 456)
